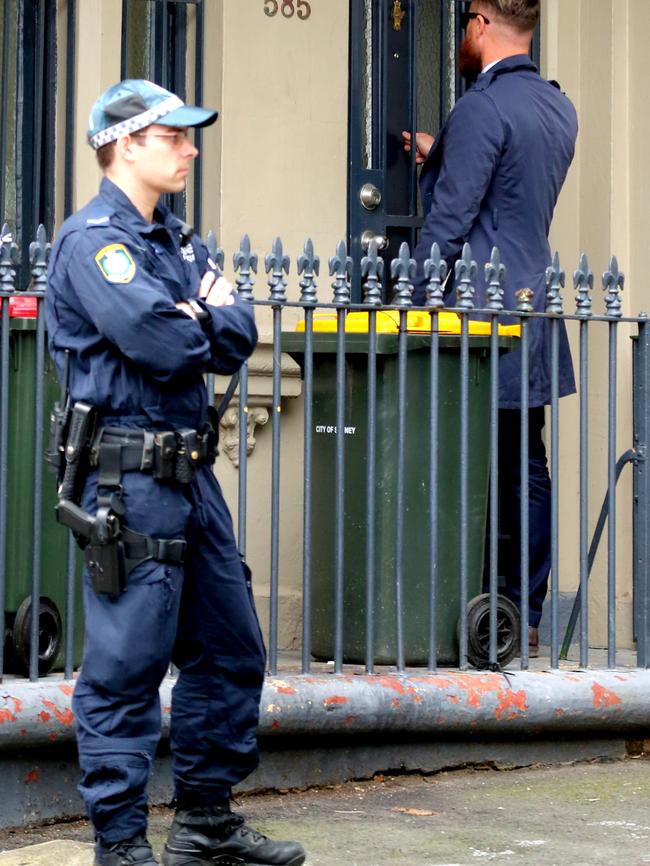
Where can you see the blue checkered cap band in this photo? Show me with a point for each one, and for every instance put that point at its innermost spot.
(133, 124)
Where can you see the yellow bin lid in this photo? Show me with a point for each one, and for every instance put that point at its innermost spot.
(416, 323)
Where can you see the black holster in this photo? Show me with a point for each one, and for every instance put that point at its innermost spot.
(111, 549)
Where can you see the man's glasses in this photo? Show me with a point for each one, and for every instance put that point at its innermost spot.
(176, 139)
(466, 17)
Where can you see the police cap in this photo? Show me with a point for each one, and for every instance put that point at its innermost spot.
(134, 104)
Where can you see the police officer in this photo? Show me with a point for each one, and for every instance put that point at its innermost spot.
(492, 178)
(137, 314)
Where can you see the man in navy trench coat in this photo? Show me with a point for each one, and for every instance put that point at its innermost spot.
(492, 178)
(141, 313)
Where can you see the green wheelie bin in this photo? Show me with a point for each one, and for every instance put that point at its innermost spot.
(416, 491)
(20, 513)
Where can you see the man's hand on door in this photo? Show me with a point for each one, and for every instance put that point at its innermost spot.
(423, 144)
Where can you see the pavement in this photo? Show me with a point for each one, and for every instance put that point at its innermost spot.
(593, 814)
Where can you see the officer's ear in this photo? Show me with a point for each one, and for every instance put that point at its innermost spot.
(126, 146)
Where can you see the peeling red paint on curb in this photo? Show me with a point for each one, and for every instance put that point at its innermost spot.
(511, 704)
(6, 716)
(389, 683)
(44, 717)
(67, 690)
(31, 777)
(604, 698)
(65, 718)
(335, 700)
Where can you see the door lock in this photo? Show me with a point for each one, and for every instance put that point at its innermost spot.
(370, 196)
(369, 235)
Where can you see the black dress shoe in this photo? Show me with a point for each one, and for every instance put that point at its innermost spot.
(131, 852)
(215, 836)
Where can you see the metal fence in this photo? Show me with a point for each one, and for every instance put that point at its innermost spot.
(366, 498)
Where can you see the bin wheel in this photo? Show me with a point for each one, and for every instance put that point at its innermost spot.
(49, 635)
(478, 631)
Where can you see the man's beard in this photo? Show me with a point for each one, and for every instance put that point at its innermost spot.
(469, 60)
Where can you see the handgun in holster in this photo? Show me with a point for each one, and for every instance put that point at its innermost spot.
(100, 538)
(99, 535)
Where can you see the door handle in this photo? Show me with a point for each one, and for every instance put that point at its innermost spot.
(370, 196)
(369, 235)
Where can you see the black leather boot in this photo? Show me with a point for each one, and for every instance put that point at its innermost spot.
(131, 852)
(215, 836)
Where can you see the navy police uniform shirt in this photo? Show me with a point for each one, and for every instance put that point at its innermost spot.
(113, 282)
(492, 178)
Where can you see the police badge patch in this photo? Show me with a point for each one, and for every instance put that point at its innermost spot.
(116, 263)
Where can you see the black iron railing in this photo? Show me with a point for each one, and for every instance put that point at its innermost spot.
(368, 579)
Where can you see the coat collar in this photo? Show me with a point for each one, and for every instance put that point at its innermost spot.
(514, 63)
(119, 201)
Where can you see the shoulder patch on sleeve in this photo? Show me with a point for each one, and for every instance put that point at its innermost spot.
(115, 263)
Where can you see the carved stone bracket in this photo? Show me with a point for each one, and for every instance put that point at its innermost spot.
(260, 399)
(257, 416)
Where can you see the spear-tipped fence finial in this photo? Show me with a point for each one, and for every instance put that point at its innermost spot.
(435, 273)
(466, 272)
(403, 270)
(613, 284)
(9, 259)
(372, 274)
(309, 267)
(278, 265)
(583, 283)
(39, 256)
(340, 266)
(217, 255)
(245, 263)
(495, 274)
(555, 281)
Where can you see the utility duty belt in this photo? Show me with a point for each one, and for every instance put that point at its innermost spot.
(111, 549)
(170, 454)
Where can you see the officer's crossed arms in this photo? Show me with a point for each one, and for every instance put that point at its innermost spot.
(216, 291)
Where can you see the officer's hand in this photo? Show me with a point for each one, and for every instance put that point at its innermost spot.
(209, 279)
(185, 307)
(220, 295)
(423, 144)
(216, 291)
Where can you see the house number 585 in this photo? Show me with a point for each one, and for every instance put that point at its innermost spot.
(288, 8)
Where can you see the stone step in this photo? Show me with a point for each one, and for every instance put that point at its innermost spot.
(58, 853)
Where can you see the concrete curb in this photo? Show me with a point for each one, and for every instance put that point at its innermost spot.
(512, 704)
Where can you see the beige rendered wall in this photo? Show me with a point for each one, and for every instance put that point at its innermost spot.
(98, 66)
(594, 48)
(277, 165)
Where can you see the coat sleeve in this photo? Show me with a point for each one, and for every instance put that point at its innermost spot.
(474, 139)
(137, 315)
(232, 334)
(231, 330)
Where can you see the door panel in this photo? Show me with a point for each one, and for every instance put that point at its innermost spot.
(402, 62)
(403, 76)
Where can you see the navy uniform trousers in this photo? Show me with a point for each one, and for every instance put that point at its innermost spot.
(199, 615)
